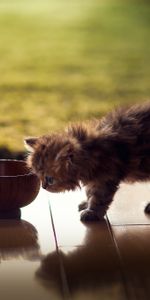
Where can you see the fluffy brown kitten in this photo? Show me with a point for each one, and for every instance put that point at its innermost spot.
(99, 154)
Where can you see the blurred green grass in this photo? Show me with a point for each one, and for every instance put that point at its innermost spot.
(62, 61)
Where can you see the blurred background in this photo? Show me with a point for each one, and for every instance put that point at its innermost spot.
(69, 60)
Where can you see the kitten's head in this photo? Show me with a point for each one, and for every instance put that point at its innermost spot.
(52, 158)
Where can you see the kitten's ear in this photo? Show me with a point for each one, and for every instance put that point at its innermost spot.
(30, 143)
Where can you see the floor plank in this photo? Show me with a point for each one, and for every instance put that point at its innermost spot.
(134, 247)
(129, 203)
(93, 270)
(88, 254)
(69, 230)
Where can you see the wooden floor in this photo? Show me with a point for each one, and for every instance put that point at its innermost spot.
(50, 254)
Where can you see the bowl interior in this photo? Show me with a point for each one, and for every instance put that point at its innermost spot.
(13, 168)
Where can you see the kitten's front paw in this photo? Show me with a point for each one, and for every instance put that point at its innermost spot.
(83, 205)
(89, 215)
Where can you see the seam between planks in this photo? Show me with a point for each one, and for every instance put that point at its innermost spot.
(127, 293)
(65, 287)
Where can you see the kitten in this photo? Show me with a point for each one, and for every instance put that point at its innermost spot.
(99, 154)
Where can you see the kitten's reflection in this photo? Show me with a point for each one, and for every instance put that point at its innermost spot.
(18, 238)
(90, 267)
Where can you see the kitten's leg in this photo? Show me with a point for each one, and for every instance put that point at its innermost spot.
(99, 198)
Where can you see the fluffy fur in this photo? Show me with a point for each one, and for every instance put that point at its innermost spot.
(99, 154)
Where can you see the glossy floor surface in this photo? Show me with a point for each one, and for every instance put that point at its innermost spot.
(50, 254)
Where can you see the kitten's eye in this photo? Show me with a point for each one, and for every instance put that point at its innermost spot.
(49, 180)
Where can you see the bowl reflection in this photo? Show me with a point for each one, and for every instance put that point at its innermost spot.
(18, 238)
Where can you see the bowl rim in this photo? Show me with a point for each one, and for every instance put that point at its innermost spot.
(19, 175)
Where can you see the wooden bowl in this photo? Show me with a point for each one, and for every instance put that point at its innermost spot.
(18, 186)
